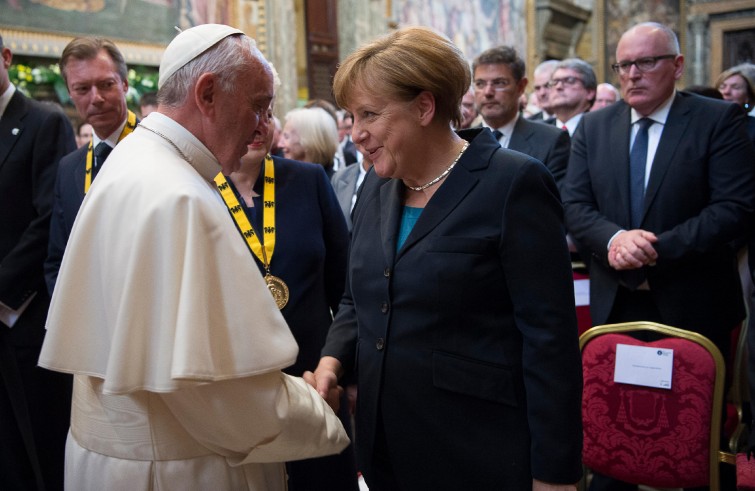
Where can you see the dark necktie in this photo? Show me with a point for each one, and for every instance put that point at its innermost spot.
(101, 151)
(637, 162)
(497, 134)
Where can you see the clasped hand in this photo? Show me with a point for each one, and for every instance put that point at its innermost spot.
(632, 249)
(325, 381)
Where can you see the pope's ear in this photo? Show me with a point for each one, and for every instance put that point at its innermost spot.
(425, 105)
(205, 92)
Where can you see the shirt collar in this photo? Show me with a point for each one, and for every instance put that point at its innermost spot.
(112, 139)
(506, 129)
(659, 115)
(5, 98)
(571, 125)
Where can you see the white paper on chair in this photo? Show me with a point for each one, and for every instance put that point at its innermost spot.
(581, 293)
(643, 365)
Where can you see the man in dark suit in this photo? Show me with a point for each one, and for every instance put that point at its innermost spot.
(347, 151)
(660, 243)
(34, 408)
(542, 76)
(345, 183)
(498, 78)
(572, 92)
(96, 76)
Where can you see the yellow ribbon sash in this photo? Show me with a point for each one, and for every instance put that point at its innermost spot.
(263, 252)
(130, 125)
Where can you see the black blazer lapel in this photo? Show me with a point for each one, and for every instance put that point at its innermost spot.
(453, 190)
(390, 201)
(673, 131)
(11, 125)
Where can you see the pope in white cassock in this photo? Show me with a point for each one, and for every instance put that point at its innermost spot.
(160, 313)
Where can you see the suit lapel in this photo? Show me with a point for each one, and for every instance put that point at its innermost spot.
(80, 172)
(390, 205)
(453, 190)
(11, 126)
(676, 124)
(519, 140)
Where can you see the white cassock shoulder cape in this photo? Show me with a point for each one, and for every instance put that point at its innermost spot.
(174, 340)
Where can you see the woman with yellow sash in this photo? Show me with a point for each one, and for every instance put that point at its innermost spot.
(289, 216)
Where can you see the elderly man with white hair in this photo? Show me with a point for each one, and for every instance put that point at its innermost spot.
(174, 340)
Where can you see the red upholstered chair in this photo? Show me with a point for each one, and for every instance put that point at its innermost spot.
(666, 438)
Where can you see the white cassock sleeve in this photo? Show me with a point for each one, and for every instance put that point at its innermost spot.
(266, 418)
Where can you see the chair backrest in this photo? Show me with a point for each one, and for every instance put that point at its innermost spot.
(659, 437)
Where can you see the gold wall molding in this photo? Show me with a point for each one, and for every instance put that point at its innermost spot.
(47, 45)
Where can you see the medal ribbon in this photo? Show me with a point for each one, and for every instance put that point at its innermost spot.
(263, 253)
(130, 125)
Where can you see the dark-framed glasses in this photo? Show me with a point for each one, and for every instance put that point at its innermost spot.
(646, 64)
(567, 81)
(498, 84)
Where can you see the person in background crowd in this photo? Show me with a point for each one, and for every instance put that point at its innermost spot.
(499, 81)
(347, 153)
(310, 135)
(83, 134)
(305, 242)
(147, 103)
(95, 73)
(468, 109)
(177, 356)
(572, 92)
(542, 76)
(346, 183)
(277, 130)
(655, 206)
(34, 403)
(605, 95)
(737, 84)
(459, 388)
(328, 106)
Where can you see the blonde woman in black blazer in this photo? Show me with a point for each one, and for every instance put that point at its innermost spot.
(467, 362)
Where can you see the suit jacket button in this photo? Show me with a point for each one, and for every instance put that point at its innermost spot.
(387, 272)
(380, 344)
(384, 307)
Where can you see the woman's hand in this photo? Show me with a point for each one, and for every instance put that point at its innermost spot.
(325, 380)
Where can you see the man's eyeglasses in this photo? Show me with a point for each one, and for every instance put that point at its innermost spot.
(646, 64)
(567, 81)
(498, 84)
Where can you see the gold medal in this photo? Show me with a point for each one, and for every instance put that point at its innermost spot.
(279, 290)
(263, 252)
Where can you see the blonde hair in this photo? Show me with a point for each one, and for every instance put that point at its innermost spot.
(318, 134)
(405, 63)
(747, 72)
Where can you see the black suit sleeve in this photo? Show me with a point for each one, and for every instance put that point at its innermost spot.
(58, 235)
(589, 227)
(21, 269)
(336, 236)
(730, 166)
(559, 158)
